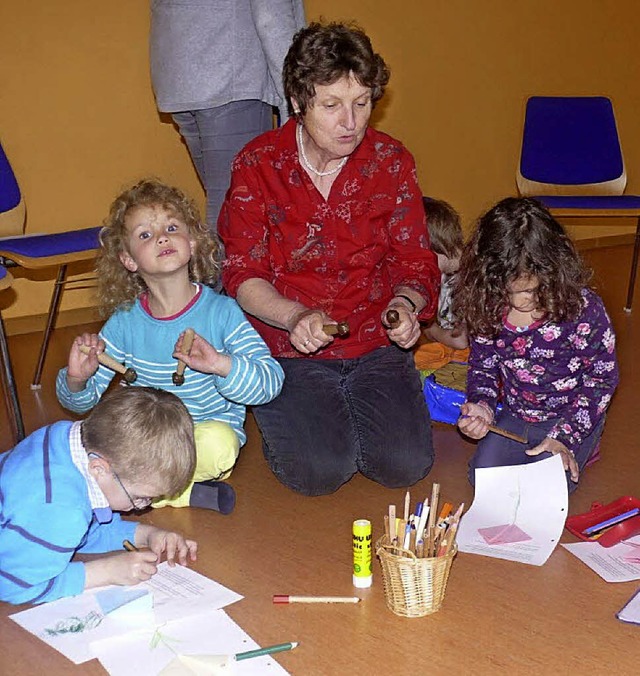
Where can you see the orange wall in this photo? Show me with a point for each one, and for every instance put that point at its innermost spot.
(78, 120)
(463, 69)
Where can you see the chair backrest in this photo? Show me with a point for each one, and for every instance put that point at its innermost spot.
(12, 208)
(570, 146)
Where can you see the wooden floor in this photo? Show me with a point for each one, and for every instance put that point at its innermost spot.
(498, 617)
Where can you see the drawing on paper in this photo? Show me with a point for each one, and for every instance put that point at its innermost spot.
(75, 624)
(159, 638)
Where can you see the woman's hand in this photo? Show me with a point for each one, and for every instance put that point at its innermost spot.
(475, 420)
(306, 333)
(554, 447)
(406, 331)
(82, 366)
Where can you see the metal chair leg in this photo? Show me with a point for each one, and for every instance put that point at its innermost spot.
(51, 319)
(9, 383)
(634, 269)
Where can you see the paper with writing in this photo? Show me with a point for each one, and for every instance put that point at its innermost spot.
(528, 502)
(612, 564)
(70, 624)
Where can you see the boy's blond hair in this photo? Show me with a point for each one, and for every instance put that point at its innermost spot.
(116, 285)
(444, 227)
(145, 434)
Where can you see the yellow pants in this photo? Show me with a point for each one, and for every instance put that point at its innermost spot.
(217, 449)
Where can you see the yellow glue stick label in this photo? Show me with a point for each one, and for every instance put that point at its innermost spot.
(362, 571)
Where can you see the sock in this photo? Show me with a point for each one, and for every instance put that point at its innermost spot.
(216, 495)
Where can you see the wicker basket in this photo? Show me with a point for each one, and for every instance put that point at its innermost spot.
(413, 587)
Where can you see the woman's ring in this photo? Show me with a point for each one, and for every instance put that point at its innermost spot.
(306, 342)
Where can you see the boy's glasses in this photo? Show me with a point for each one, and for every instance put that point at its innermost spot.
(136, 503)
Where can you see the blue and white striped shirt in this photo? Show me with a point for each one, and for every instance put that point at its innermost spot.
(146, 344)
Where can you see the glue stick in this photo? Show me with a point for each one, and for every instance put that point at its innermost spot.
(362, 572)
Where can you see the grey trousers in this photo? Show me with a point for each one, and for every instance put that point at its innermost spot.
(214, 137)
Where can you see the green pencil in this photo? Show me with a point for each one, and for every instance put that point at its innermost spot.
(281, 647)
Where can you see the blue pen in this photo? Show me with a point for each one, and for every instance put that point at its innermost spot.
(611, 522)
(407, 535)
(417, 514)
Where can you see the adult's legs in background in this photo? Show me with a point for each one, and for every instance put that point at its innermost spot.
(214, 137)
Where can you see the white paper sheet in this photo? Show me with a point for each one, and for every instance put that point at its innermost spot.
(151, 653)
(69, 625)
(180, 592)
(609, 562)
(631, 610)
(532, 497)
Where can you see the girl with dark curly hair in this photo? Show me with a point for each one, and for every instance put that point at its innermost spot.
(541, 341)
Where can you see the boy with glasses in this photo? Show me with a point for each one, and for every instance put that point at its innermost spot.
(60, 487)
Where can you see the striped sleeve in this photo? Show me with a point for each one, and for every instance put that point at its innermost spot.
(255, 376)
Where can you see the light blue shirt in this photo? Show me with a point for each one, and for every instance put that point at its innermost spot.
(146, 344)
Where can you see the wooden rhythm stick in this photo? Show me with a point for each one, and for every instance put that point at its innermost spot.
(128, 374)
(393, 318)
(340, 329)
(187, 342)
(507, 434)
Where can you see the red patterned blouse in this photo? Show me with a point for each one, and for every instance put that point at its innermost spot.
(345, 255)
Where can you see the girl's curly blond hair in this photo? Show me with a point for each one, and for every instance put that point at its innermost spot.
(117, 287)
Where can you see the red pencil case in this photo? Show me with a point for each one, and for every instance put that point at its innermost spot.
(598, 513)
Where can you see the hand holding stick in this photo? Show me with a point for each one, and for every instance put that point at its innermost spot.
(187, 342)
(129, 374)
(340, 329)
(393, 318)
(504, 433)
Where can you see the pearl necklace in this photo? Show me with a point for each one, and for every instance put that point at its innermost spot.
(307, 164)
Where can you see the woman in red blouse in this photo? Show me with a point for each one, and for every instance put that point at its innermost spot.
(324, 223)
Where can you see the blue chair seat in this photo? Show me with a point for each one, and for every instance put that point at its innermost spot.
(571, 161)
(36, 252)
(51, 249)
(590, 202)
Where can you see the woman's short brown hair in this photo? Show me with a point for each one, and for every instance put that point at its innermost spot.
(321, 54)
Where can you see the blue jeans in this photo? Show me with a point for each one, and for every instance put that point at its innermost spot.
(496, 451)
(336, 417)
(214, 137)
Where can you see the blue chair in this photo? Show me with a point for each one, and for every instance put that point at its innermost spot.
(9, 383)
(572, 162)
(36, 252)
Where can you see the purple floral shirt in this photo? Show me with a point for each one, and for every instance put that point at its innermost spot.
(565, 372)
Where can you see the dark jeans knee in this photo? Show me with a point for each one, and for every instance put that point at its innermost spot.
(307, 477)
(394, 474)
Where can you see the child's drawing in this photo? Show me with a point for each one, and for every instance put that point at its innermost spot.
(75, 624)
